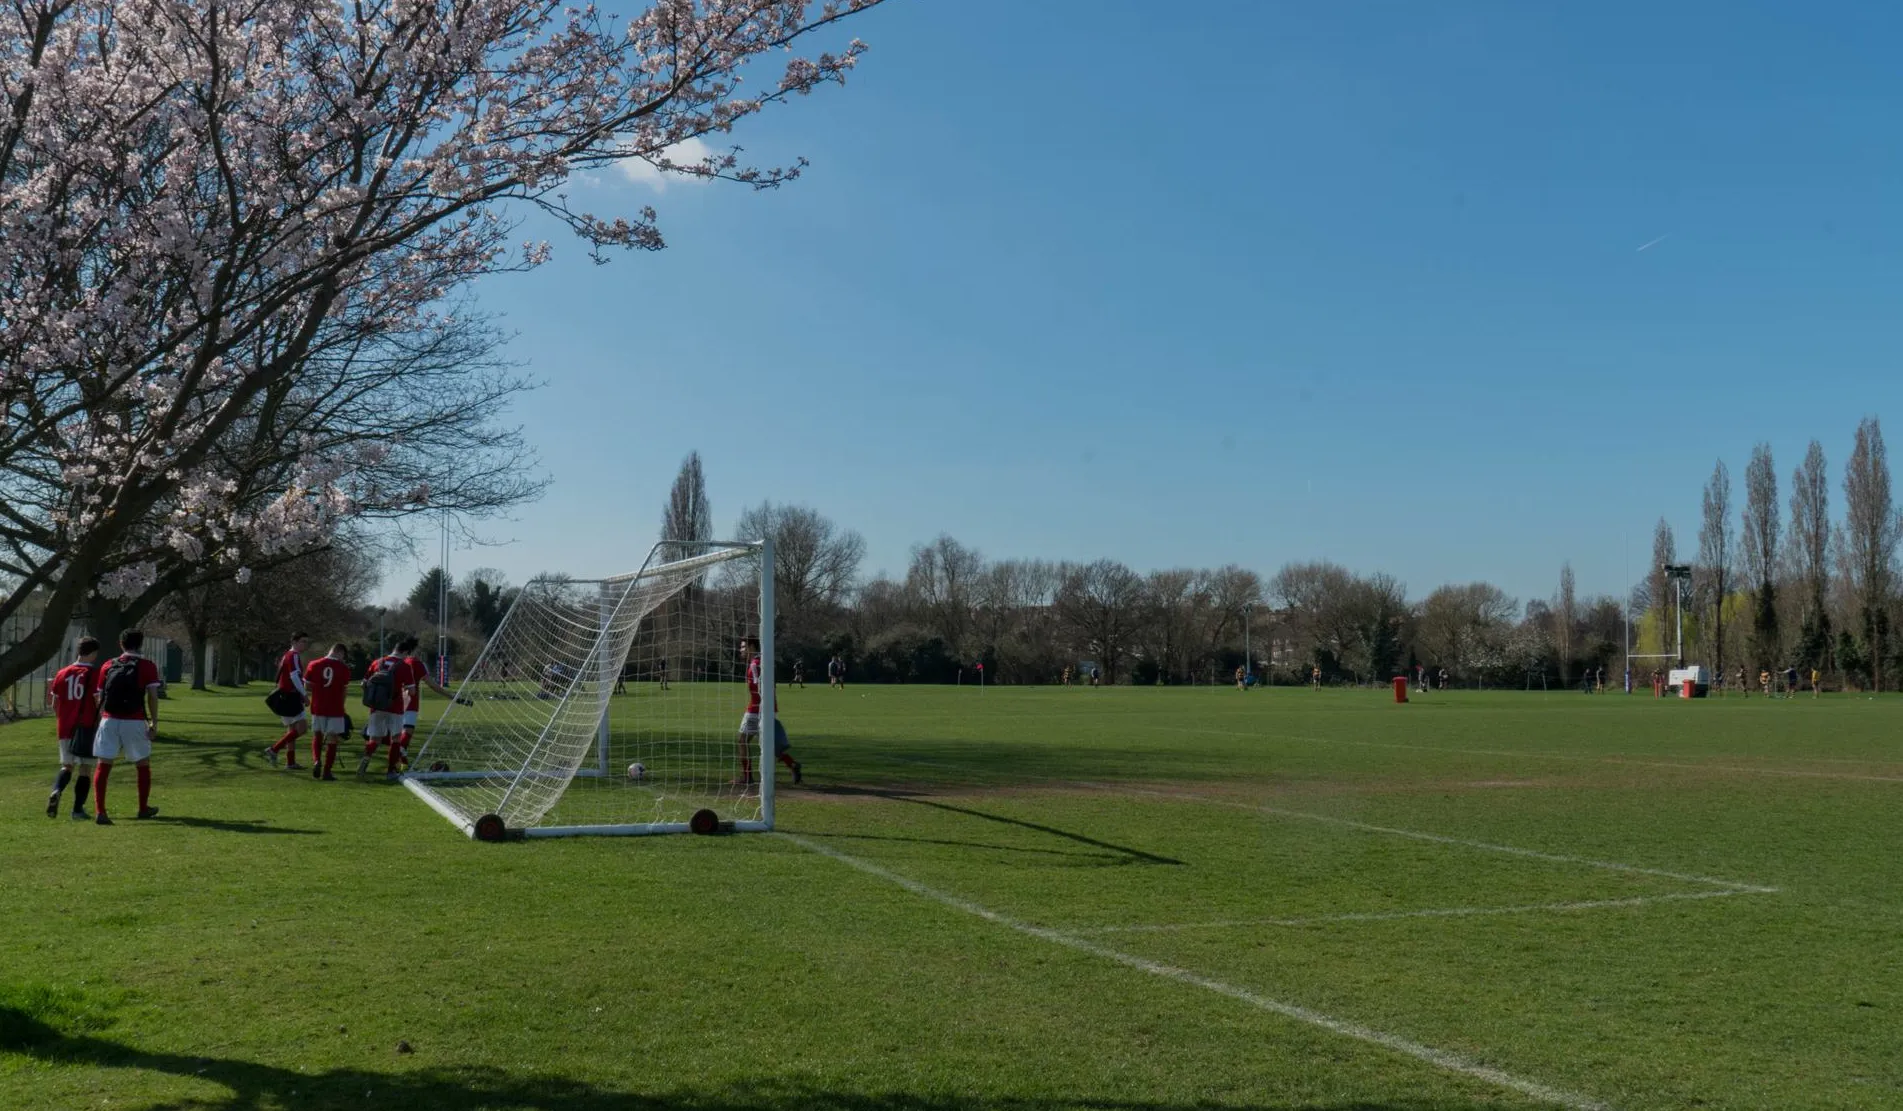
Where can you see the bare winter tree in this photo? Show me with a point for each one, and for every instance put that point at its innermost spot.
(815, 562)
(1760, 551)
(688, 518)
(1102, 604)
(1457, 624)
(941, 581)
(1715, 556)
(1565, 621)
(1809, 541)
(1868, 540)
(1174, 601)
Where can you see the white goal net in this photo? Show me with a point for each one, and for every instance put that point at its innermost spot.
(612, 706)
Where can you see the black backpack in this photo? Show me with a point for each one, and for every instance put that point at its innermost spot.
(379, 687)
(123, 696)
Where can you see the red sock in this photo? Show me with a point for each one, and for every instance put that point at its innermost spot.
(286, 741)
(145, 784)
(407, 734)
(396, 753)
(787, 759)
(330, 757)
(370, 747)
(99, 787)
(317, 748)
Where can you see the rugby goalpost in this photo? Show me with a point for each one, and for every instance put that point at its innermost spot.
(611, 707)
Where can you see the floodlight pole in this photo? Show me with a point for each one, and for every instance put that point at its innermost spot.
(1678, 573)
(1248, 660)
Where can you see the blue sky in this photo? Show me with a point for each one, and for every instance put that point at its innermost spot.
(1192, 284)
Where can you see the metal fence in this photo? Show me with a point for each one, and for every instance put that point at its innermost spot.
(27, 696)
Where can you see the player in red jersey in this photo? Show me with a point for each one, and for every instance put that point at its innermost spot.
(76, 713)
(749, 736)
(326, 679)
(128, 692)
(418, 672)
(291, 680)
(383, 692)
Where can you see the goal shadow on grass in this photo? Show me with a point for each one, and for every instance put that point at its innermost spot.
(254, 1087)
(915, 798)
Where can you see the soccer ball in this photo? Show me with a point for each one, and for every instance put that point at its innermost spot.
(637, 771)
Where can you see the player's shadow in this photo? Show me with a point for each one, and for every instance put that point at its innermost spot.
(250, 1086)
(235, 825)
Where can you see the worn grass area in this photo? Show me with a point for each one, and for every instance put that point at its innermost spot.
(1129, 899)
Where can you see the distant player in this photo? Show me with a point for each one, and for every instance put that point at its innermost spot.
(1315, 677)
(836, 672)
(326, 680)
(76, 717)
(1764, 681)
(1816, 682)
(660, 671)
(1744, 690)
(1239, 685)
(128, 691)
(291, 681)
(1096, 676)
(799, 674)
(418, 672)
(1065, 677)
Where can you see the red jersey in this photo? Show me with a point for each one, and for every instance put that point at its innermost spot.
(74, 706)
(291, 673)
(753, 685)
(399, 673)
(327, 680)
(419, 671)
(148, 681)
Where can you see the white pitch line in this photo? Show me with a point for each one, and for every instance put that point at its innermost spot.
(1435, 912)
(1440, 839)
(1440, 1058)
(1512, 754)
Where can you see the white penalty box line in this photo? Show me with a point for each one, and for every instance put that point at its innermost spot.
(1439, 1058)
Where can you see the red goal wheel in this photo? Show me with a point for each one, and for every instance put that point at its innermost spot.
(489, 827)
(704, 821)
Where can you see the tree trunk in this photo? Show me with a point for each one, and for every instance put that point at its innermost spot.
(227, 663)
(105, 619)
(201, 646)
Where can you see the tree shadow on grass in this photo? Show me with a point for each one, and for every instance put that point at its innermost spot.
(235, 825)
(250, 1086)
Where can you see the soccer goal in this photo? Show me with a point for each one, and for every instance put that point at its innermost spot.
(612, 706)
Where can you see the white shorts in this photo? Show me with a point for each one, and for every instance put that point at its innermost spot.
(66, 757)
(750, 724)
(122, 739)
(329, 727)
(384, 725)
(409, 719)
(290, 721)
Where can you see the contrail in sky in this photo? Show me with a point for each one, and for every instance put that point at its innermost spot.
(1654, 243)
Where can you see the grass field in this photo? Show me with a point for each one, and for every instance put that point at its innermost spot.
(1139, 900)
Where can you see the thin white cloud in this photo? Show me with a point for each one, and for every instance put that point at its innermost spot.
(687, 152)
(1654, 243)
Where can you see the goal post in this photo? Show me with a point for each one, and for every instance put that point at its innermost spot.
(612, 706)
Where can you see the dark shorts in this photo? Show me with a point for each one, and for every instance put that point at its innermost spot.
(82, 746)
